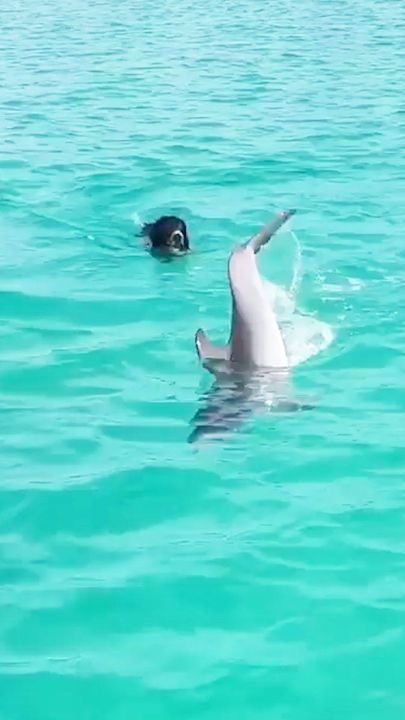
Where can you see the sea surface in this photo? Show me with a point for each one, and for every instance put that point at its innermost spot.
(259, 575)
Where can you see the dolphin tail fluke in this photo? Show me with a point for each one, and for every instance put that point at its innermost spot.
(207, 350)
(263, 237)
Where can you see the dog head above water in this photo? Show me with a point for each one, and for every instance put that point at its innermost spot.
(167, 235)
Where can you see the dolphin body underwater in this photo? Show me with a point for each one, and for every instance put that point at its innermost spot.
(251, 372)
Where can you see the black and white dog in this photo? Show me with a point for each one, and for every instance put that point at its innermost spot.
(167, 235)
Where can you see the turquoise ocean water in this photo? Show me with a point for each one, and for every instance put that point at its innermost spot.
(261, 576)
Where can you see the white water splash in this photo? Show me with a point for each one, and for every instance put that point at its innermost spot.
(297, 269)
(136, 220)
(304, 335)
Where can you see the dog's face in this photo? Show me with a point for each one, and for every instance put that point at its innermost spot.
(168, 235)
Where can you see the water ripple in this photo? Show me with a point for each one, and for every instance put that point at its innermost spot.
(261, 576)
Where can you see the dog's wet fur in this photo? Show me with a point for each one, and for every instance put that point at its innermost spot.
(167, 236)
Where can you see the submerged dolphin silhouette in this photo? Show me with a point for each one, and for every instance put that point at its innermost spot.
(251, 371)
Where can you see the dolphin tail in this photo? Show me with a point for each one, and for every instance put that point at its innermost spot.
(206, 350)
(263, 237)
